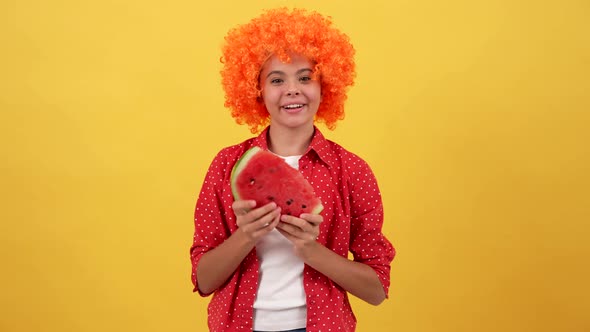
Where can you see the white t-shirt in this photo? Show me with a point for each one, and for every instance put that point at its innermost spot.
(280, 302)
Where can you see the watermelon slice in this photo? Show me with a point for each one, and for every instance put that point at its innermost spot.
(265, 177)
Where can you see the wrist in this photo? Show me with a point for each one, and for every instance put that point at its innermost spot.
(241, 240)
(312, 253)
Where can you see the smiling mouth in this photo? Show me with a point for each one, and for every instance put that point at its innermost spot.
(293, 106)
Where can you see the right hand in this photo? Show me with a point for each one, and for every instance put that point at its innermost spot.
(256, 222)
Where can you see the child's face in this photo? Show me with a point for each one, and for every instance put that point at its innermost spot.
(289, 92)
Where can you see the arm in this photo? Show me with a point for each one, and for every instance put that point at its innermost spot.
(367, 277)
(217, 251)
(368, 245)
(219, 263)
(356, 278)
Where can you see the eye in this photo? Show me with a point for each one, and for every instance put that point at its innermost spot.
(305, 79)
(276, 81)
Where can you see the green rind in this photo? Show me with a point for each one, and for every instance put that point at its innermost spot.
(238, 167)
(318, 209)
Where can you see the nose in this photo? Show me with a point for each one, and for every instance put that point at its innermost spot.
(292, 88)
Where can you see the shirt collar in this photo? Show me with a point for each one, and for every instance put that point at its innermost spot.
(319, 144)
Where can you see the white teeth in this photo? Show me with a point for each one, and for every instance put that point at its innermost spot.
(293, 106)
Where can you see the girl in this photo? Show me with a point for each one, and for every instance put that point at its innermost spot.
(269, 271)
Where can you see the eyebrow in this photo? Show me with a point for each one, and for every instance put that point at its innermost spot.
(283, 73)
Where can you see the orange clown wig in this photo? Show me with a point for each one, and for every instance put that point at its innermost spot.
(280, 32)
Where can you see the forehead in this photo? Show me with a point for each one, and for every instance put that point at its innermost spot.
(296, 63)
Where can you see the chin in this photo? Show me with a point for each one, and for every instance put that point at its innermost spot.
(293, 124)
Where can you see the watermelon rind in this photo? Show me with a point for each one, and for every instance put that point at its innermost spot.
(238, 167)
(318, 209)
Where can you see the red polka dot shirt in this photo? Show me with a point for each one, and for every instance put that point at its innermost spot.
(353, 218)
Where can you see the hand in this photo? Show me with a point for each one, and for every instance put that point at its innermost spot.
(255, 223)
(302, 231)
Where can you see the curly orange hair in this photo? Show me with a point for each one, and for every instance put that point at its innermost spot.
(279, 32)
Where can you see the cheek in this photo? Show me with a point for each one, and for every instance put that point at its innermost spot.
(268, 98)
(316, 93)
(266, 95)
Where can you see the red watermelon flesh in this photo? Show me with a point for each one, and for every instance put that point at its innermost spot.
(265, 177)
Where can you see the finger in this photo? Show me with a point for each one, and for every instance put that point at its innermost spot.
(314, 219)
(298, 222)
(243, 207)
(295, 232)
(262, 211)
(269, 226)
(262, 227)
(250, 224)
(268, 218)
(308, 228)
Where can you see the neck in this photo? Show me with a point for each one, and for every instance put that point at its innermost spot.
(289, 142)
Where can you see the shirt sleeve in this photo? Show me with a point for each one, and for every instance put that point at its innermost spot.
(367, 242)
(209, 218)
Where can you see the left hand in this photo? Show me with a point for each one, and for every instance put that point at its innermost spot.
(302, 231)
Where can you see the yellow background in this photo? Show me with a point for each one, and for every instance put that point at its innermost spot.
(473, 114)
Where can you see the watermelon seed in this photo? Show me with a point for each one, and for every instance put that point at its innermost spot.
(288, 212)
(289, 201)
(270, 198)
(252, 181)
(303, 206)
